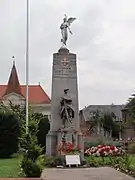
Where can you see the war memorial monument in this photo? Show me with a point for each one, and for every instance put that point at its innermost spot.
(64, 123)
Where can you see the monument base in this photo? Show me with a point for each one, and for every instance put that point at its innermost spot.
(51, 143)
(53, 139)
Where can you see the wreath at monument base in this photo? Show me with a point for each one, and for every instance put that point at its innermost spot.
(68, 148)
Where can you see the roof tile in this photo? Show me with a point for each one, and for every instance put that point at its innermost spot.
(36, 94)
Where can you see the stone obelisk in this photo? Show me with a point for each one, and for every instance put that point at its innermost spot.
(64, 76)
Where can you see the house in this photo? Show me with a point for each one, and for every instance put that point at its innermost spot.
(16, 93)
(86, 115)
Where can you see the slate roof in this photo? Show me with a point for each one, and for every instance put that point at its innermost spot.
(115, 109)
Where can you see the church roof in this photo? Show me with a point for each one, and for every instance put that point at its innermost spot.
(36, 94)
(13, 82)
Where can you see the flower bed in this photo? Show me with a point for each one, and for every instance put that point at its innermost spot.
(102, 150)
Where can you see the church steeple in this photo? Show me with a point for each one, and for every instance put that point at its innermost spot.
(13, 82)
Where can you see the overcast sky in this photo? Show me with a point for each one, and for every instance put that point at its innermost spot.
(104, 41)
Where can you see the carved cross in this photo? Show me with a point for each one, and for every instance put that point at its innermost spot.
(64, 62)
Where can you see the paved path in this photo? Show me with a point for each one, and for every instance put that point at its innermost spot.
(103, 173)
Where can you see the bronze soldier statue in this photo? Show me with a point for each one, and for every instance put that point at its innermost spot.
(67, 110)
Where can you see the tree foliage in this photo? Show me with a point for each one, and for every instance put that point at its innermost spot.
(106, 121)
(29, 144)
(41, 120)
(131, 109)
(30, 149)
(9, 134)
(110, 125)
(43, 129)
(95, 120)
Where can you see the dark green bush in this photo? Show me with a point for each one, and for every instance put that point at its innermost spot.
(51, 161)
(58, 161)
(43, 129)
(31, 169)
(9, 134)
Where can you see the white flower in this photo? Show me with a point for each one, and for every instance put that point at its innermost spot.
(111, 152)
(97, 153)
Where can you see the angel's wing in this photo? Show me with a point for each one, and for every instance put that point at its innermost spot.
(70, 20)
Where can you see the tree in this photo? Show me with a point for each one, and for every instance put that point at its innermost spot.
(110, 125)
(41, 120)
(95, 121)
(131, 110)
(31, 149)
(9, 134)
(29, 145)
(43, 129)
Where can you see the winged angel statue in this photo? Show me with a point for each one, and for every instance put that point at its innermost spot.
(64, 26)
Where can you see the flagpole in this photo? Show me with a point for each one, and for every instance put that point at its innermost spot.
(27, 65)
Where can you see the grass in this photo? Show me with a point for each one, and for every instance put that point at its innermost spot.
(10, 168)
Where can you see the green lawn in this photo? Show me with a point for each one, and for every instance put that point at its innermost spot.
(10, 167)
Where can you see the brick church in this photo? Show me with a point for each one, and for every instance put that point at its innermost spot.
(16, 93)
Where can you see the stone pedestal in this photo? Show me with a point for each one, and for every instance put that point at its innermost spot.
(64, 76)
(51, 142)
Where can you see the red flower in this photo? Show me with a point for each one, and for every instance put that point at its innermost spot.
(112, 148)
(107, 149)
(67, 147)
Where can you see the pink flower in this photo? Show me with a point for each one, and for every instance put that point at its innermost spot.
(102, 150)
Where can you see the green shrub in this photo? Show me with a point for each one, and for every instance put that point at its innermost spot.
(57, 161)
(131, 148)
(93, 143)
(51, 161)
(121, 163)
(34, 151)
(30, 163)
(89, 144)
(30, 168)
(30, 148)
(92, 162)
(9, 134)
(124, 164)
(117, 144)
(113, 143)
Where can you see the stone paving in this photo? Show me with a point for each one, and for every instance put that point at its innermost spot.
(103, 173)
